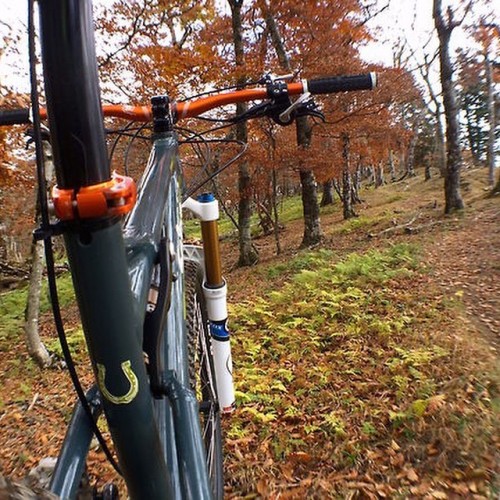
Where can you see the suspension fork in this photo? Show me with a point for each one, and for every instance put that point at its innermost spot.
(206, 208)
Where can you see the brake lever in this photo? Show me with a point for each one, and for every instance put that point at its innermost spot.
(310, 108)
(286, 116)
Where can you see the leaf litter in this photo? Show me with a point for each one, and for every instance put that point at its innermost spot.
(364, 369)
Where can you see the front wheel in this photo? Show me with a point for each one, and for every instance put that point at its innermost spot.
(202, 374)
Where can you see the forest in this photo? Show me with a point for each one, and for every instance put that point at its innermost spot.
(361, 250)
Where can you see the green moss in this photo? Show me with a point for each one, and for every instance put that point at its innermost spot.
(13, 305)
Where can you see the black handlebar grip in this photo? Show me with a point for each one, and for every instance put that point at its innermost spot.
(332, 84)
(14, 116)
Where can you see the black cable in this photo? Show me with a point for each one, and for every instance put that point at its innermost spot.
(129, 145)
(121, 133)
(219, 170)
(223, 89)
(191, 190)
(49, 254)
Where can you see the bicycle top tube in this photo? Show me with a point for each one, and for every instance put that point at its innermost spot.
(196, 107)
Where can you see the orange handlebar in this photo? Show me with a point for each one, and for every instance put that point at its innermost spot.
(194, 108)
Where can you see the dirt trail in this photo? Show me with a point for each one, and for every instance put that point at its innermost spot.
(467, 260)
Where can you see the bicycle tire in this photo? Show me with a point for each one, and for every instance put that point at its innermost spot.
(202, 374)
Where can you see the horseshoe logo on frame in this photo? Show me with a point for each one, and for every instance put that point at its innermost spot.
(131, 377)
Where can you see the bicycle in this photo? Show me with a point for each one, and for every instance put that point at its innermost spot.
(153, 309)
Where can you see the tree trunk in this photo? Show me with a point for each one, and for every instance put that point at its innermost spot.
(35, 345)
(472, 137)
(275, 213)
(440, 147)
(440, 143)
(427, 170)
(490, 151)
(453, 198)
(327, 197)
(410, 159)
(392, 168)
(248, 255)
(379, 175)
(356, 186)
(346, 179)
(312, 226)
(337, 187)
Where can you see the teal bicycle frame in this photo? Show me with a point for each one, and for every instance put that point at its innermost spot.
(158, 440)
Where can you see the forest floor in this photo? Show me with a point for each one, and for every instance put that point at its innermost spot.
(367, 367)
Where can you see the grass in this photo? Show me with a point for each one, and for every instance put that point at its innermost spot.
(289, 209)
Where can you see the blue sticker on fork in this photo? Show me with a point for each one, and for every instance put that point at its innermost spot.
(219, 331)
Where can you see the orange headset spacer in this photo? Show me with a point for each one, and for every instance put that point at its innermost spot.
(111, 198)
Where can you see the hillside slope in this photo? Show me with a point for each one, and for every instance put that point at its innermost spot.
(365, 368)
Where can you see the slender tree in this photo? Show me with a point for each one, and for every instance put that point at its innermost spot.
(36, 348)
(486, 34)
(312, 225)
(248, 255)
(444, 27)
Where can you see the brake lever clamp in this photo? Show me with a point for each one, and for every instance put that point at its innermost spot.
(277, 91)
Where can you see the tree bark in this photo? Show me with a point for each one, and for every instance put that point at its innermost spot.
(453, 198)
(410, 159)
(275, 212)
(327, 197)
(392, 169)
(346, 179)
(248, 255)
(440, 143)
(312, 225)
(356, 186)
(36, 348)
(490, 151)
(379, 175)
(427, 172)
(472, 137)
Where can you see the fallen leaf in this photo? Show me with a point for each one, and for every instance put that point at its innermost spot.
(287, 471)
(473, 487)
(300, 457)
(435, 402)
(439, 494)
(263, 487)
(412, 475)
